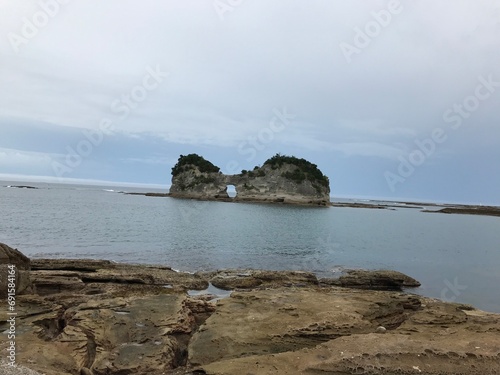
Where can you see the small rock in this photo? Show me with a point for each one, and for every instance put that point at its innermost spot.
(375, 280)
(381, 329)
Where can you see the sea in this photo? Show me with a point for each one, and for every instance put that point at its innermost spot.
(455, 257)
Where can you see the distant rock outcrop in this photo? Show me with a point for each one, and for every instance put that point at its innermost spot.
(21, 187)
(195, 177)
(281, 179)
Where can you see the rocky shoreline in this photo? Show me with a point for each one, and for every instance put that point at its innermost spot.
(469, 210)
(440, 208)
(445, 209)
(94, 317)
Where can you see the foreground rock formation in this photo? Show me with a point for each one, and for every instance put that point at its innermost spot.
(281, 179)
(13, 257)
(98, 317)
(375, 280)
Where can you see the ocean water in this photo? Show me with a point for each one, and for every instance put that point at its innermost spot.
(455, 257)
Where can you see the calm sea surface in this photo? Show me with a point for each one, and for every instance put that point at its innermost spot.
(456, 257)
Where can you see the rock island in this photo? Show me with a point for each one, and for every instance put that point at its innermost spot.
(281, 179)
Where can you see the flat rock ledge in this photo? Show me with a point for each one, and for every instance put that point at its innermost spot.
(375, 280)
(90, 317)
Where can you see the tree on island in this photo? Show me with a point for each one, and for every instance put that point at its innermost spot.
(193, 160)
(305, 169)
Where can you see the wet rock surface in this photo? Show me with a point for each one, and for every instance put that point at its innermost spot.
(376, 280)
(98, 317)
(75, 273)
(248, 279)
(469, 210)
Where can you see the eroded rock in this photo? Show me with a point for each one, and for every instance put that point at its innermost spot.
(281, 320)
(376, 354)
(115, 335)
(281, 179)
(373, 279)
(249, 279)
(438, 338)
(99, 317)
(21, 263)
(68, 275)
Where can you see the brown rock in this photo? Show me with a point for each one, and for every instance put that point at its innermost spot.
(438, 338)
(249, 279)
(375, 280)
(143, 335)
(69, 274)
(375, 354)
(98, 317)
(280, 320)
(13, 257)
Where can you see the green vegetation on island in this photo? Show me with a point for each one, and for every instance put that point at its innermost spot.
(257, 172)
(305, 169)
(193, 160)
(280, 178)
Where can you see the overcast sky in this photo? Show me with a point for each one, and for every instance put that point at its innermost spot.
(393, 100)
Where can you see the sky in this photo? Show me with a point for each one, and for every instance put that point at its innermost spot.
(393, 100)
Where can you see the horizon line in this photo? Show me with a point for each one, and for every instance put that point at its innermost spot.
(92, 182)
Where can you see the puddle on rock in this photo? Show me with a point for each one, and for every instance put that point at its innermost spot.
(211, 290)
